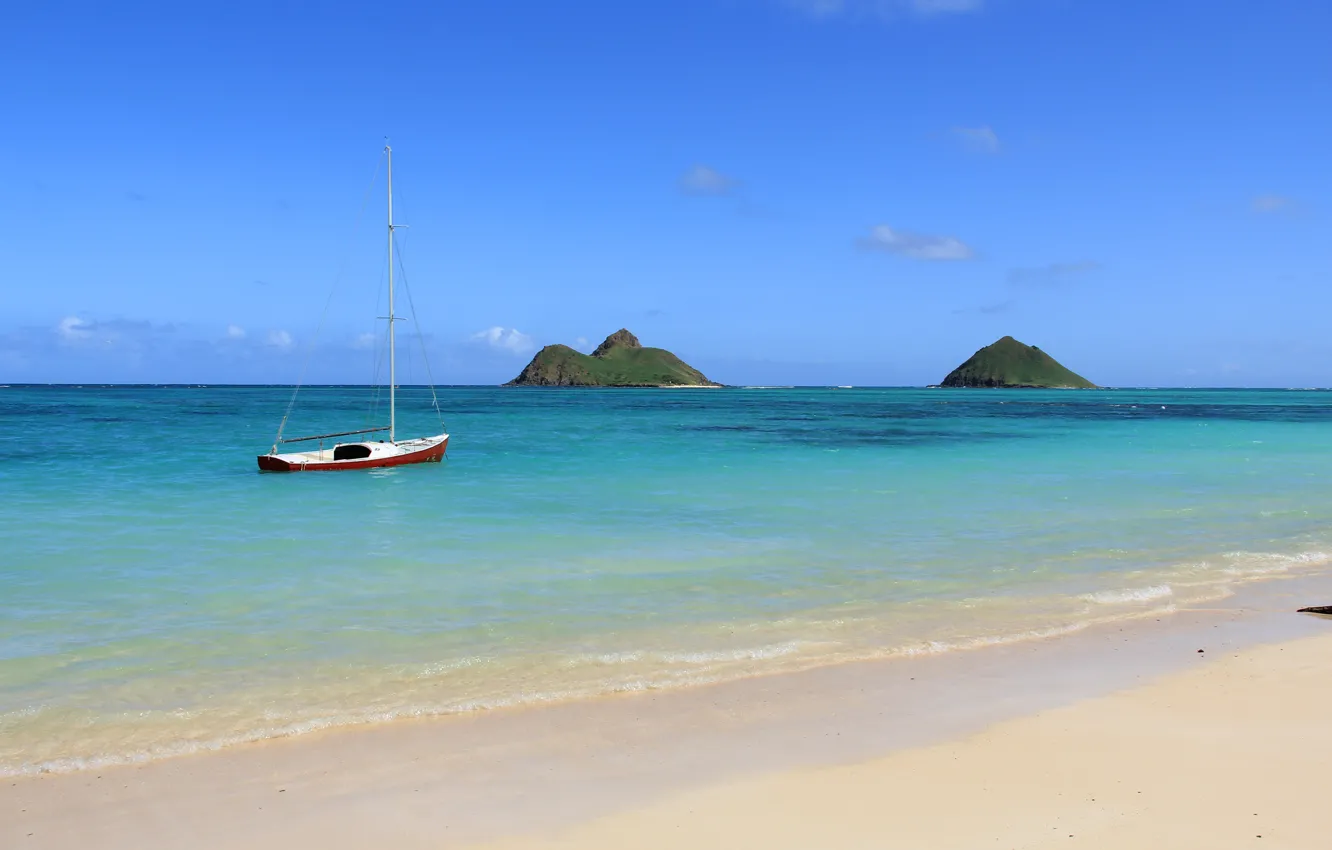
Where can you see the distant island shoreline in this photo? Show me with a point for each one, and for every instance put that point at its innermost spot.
(1011, 365)
(621, 361)
(513, 386)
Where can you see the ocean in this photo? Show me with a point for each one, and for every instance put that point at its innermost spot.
(159, 596)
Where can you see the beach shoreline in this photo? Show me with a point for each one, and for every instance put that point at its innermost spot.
(1231, 754)
(494, 775)
(585, 544)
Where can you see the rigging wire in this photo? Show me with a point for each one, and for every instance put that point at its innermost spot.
(342, 268)
(434, 397)
(400, 242)
(380, 351)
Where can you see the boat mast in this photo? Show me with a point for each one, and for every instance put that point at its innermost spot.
(393, 373)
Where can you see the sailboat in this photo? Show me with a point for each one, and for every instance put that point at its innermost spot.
(366, 453)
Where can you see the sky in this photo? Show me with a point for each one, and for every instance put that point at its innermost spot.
(780, 191)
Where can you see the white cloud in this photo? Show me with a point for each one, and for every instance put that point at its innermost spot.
(74, 329)
(979, 139)
(510, 340)
(235, 332)
(1266, 204)
(917, 246)
(884, 9)
(127, 334)
(581, 342)
(363, 342)
(702, 180)
(280, 340)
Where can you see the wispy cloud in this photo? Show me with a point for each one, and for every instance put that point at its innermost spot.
(1029, 281)
(235, 332)
(74, 329)
(1269, 204)
(125, 333)
(1052, 275)
(510, 340)
(364, 342)
(703, 180)
(78, 346)
(917, 246)
(280, 339)
(978, 139)
(882, 9)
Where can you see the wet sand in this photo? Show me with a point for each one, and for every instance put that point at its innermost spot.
(1232, 755)
(1123, 735)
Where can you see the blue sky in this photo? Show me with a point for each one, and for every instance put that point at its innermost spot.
(780, 191)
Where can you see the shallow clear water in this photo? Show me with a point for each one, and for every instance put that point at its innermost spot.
(158, 595)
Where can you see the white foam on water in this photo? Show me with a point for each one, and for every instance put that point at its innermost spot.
(703, 671)
(937, 647)
(1257, 564)
(152, 753)
(1129, 595)
(606, 658)
(680, 668)
(700, 657)
(758, 653)
(430, 671)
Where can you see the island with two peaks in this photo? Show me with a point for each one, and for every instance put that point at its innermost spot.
(1010, 364)
(620, 361)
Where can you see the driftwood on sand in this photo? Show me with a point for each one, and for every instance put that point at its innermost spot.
(1317, 609)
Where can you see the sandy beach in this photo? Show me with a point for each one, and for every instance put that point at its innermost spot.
(1119, 736)
(1231, 755)
(889, 585)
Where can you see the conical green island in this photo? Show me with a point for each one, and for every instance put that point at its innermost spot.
(1009, 363)
(620, 361)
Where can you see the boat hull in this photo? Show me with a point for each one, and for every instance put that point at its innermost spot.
(431, 453)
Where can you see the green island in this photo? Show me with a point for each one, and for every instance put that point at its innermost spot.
(1011, 364)
(620, 361)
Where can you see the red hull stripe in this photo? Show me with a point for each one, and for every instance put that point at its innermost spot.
(268, 463)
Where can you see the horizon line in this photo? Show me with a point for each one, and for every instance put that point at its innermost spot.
(232, 385)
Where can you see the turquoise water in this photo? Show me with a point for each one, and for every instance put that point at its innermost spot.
(159, 596)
